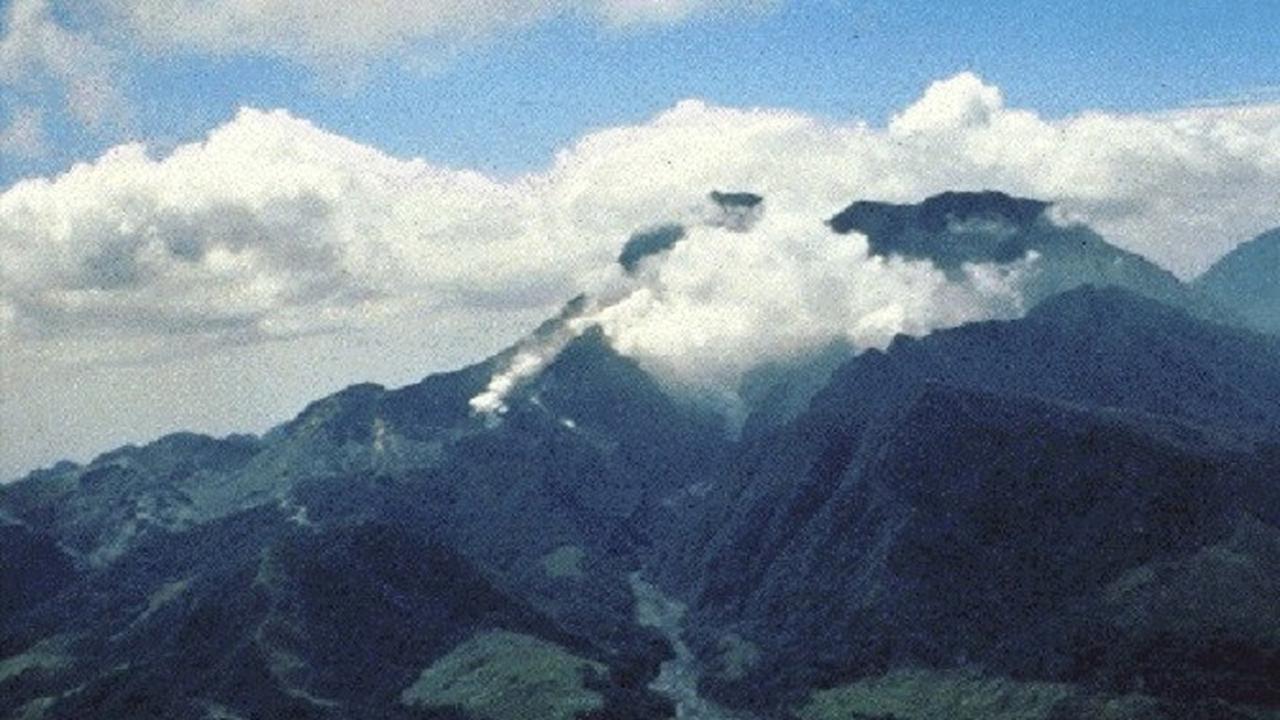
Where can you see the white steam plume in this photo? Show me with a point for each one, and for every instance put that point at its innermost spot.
(528, 359)
(729, 297)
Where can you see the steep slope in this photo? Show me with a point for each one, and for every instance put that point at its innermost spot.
(956, 228)
(1061, 510)
(578, 470)
(552, 504)
(32, 567)
(1247, 282)
(1101, 348)
(255, 615)
(967, 499)
(1104, 347)
(98, 511)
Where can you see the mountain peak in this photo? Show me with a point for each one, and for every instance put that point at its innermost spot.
(735, 199)
(949, 229)
(938, 212)
(648, 243)
(956, 229)
(733, 210)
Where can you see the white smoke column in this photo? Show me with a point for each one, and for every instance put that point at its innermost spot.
(493, 400)
(529, 358)
(612, 287)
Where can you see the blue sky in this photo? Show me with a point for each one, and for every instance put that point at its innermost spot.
(506, 103)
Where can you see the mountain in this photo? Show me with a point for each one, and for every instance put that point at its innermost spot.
(1073, 514)
(958, 228)
(736, 211)
(951, 230)
(547, 510)
(97, 511)
(1000, 496)
(257, 615)
(32, 567)
(1247, 282)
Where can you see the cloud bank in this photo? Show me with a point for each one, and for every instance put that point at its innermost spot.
(220, 286)
(272, 228)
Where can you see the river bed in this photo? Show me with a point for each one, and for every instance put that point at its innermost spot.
(677, 678)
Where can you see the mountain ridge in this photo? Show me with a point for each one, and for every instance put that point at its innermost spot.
(1078, 498)
(797, 521)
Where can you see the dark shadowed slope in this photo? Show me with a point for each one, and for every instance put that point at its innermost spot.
(977, 499)
(256, 615)
(32, 568)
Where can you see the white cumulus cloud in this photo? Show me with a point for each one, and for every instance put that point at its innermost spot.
(298, 254)
(273, 228)
(269, 228)
(722, 302)
(741, 290)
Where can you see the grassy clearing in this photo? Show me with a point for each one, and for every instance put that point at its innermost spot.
(502, 675)
(736, 658)
(925, 695)
(50, 654)
(564, 562)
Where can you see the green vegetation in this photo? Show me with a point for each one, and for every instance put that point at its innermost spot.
(917, 694)
(502, 675)
(564, 562)
(1230, 585)
(166, 594)
(49, 654)
(35, 709)
(926, 694)
(737, 656)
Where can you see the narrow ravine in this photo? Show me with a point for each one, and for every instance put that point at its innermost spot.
(678, 678)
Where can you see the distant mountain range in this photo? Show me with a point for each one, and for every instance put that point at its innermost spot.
(1074, 514)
